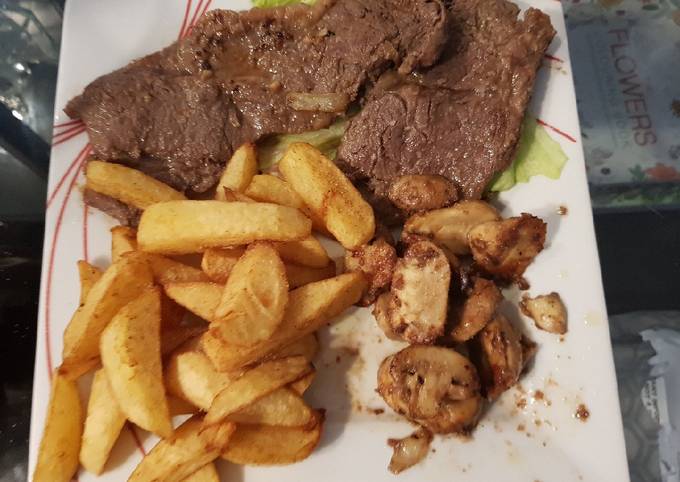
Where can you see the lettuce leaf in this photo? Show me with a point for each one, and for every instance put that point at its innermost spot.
(279, 3)
(327, 140)
(538, 154)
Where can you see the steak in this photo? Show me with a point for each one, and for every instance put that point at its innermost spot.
(460, 119)
(178, 114)
(125, 214)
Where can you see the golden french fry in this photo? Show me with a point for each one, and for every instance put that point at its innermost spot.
(271, 189)
(301, 275)
(309, 307)
(131, 355)
(179, 227)
(166, 270)
(178, 406)
(306, 252)
(191, 447)
(60, 444)
(103, 424)
(128, 185)
(329, 194)
(88, 275)
(267, 445)
(307, 346)
(176, 336)
(200, 298)
(217, 263)
(239, 171)
(121, 283)
(123, 239)
(300, 386)
(283, 407)
(255, 384)
(229, 195)
(190, 376)
(207, 473)
(254, 299)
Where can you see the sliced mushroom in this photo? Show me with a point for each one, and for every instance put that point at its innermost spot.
(415, 193)
(477, 310)
(433, 386)
(449, 227)
(376, 261)
(408, 451)
(418, 299)
(547, 311)
(505, 248)
(500, 356)
(381, 312)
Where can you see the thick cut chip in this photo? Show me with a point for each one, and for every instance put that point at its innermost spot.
(306, 252)
(179, 227)
(190, 376)
(271, 189)
(103, 424)
(128, 185)
(131, 355)
(283, 407)
(255, 384)
(266, 445)
(207, 473)
(229, 195)
(301, 275)
(254, 298)
(121, 283)
(123, 240)
(300, 386)
(191, 447)
(58, 453)
(329, 194)
(309, 307)
(200, 298)
(166, 270)
(217, 263)
(88, 275)
(307, 346)
(239, 171)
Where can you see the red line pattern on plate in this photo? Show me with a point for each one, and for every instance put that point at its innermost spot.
(135, 437)
(63, 178)
(552, 57)
(80, 161)
(199, 11)
(556, 130)
(184, 20)
(67, 123)
(58, 139)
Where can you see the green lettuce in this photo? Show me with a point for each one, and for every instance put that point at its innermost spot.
(537, 155)
(327, 140)
(279, 3)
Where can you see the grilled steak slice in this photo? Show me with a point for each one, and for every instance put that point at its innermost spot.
(178, 114)
(125, 214)
(461, 119)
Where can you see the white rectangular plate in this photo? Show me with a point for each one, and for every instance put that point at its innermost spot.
(523, 437)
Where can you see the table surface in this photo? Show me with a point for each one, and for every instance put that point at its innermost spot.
(637, 222)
